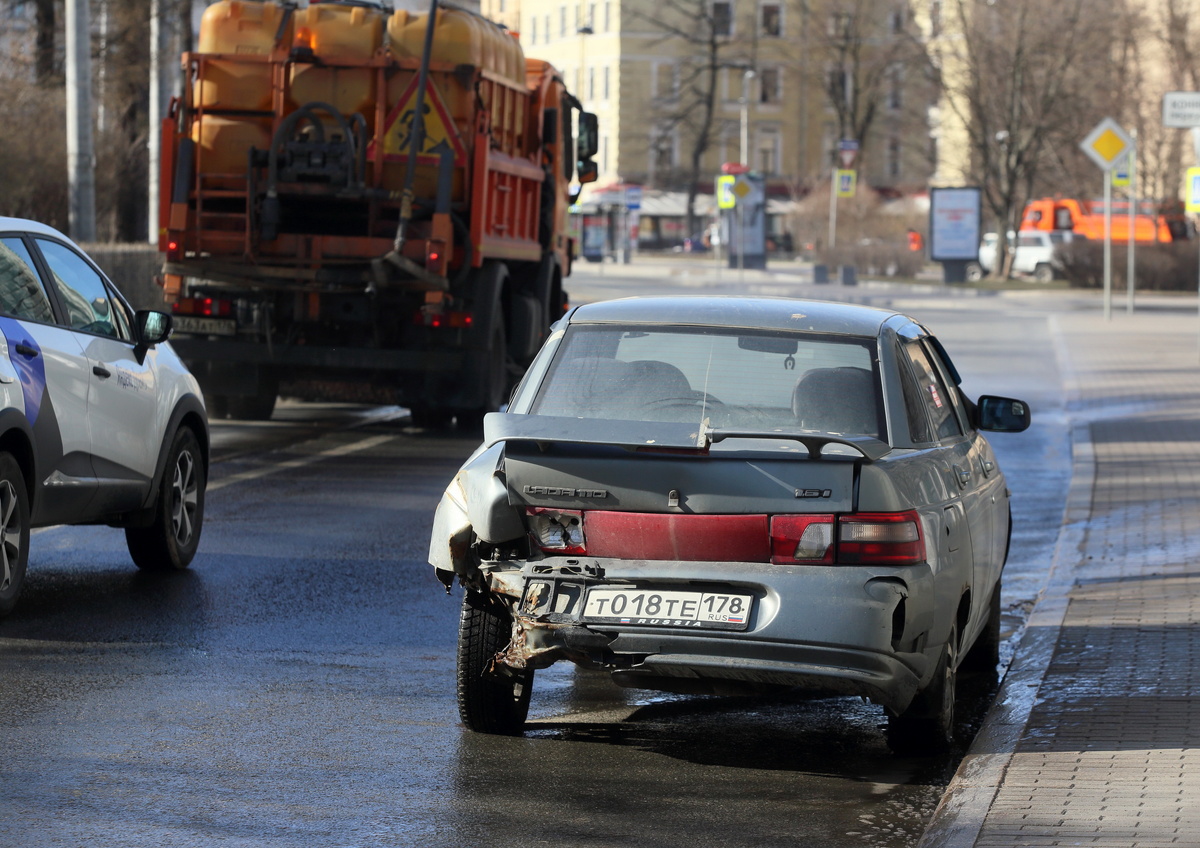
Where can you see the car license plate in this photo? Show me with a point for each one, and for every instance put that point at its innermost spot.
(204, 326)
(656, 608)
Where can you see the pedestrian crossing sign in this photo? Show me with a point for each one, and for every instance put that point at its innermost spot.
(1192, 192)
(846, 183)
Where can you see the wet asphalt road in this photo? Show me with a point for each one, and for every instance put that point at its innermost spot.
(295, 687)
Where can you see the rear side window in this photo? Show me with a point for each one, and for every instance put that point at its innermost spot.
(934, 392)
(89, 304)
(21, 292)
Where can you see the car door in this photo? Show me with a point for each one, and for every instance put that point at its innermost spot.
(122, 403)
(45, 375)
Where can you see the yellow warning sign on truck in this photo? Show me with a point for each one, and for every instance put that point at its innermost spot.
(439, 130)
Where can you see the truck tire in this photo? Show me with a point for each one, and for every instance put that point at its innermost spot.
(496, 381)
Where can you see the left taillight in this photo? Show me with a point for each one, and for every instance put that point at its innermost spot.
(557, 531)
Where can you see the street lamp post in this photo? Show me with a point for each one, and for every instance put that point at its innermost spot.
(747, 77)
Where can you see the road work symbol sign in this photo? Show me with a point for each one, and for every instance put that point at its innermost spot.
(1107, 144)
(440, 134)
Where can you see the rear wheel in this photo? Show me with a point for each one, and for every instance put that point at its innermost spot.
(927, 726)
(14, 532)
(171, 539)
(975, 272)
(496, 381)
(1043, 273)
(489, 701)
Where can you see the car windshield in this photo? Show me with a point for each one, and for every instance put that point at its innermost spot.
(731, 378)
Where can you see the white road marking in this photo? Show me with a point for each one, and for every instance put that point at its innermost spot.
(300, 462)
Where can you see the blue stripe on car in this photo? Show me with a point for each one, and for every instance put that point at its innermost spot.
(30, 369)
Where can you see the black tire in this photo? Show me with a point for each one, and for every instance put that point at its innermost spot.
(14, 532)
(984, 656)
(927, 726)
(171, 539)
(495, 702)
(1043, 273)
(496, 381)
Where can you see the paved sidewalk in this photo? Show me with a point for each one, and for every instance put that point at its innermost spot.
(1095, 738)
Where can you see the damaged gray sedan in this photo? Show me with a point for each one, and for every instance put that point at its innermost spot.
(733, 496)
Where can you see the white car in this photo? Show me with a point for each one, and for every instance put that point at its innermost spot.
(1033, 254)
(100, 422)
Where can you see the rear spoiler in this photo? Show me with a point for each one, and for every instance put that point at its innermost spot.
(548, 429)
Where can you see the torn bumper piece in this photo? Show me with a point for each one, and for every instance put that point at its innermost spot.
(854, 631)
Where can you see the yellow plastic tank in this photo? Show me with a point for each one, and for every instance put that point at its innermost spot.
(245, 28)
(223, 143)
(462, 38)
(338, 35)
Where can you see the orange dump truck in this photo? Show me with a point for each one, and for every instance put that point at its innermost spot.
(327, 239)
(1151, 223)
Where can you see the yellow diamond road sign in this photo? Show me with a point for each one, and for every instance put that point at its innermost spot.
(1107, 144)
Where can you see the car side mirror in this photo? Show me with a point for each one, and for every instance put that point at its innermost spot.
(152, 327)
(1002, 415)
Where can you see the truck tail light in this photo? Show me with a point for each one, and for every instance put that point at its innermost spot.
(886, 538)
(557, 531)
(208, 307)
(439, 320)
(174, 249)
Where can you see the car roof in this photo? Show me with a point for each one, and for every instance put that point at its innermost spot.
(28, 226)
(736, 312)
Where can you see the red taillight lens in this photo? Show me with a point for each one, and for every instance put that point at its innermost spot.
(205, 306)
(804, 539)
(557, 531)
(174, 250)
(886, 538)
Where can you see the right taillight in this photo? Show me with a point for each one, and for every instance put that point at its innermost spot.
(884, 538)
(879, 538)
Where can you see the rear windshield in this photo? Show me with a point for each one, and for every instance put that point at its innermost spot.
(733, 379)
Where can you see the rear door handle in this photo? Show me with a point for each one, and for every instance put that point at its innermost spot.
(101, 371)
(963, 474)
(26, 350)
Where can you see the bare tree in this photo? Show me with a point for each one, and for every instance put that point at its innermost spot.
(863, 53)
(700, 34)
(1027, 81)
(45, 57)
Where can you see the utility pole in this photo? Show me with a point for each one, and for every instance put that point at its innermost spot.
(155, 116)
(81, 154)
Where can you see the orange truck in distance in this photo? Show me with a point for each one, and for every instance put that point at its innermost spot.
(359, 206)
(1152, 223)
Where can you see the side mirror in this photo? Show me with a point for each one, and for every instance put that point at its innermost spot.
(588, 142)
(153, 327)
(588, 171)
(1003, 415)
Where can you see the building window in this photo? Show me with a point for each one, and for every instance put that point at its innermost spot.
(546, 20)
(722, 17)
(591, 20)
(562, 21)
(935, 17)
(893, 158)
(897, 21)
(663, 83)
(606, 15)
(605, 83)
(769, 86)
(895, 87)
(766, 151)
(591, 89)
(840, 26)
(533, 30)
(770, 17)
(662, 153)
(838, 85)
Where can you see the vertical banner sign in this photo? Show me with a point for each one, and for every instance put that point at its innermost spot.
(955, 221)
